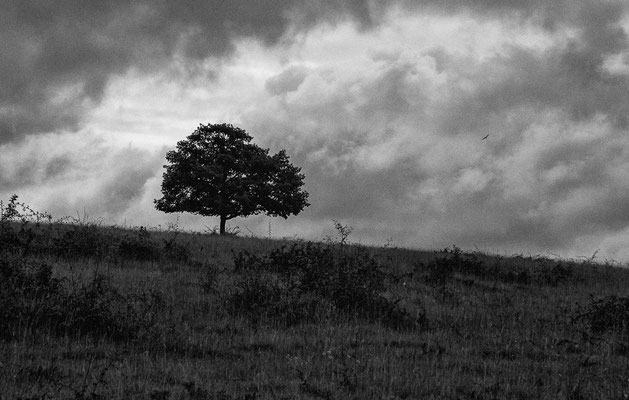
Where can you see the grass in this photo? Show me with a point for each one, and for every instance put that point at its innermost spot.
(96, 312)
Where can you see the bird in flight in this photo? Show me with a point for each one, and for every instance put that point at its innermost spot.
(486, 136)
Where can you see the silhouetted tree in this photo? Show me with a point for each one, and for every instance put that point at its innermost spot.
(217, 171)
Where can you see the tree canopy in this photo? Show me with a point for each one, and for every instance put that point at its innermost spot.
(217, 171)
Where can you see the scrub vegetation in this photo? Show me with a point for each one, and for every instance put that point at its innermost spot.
(89, 311)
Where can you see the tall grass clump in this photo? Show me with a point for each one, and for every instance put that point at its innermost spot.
(306, 282)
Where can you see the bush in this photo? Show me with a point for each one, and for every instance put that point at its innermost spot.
(32, 299)
(441, 270)
(553, 275)
(20, 227)
(28, 297)
(541, 272)
(608, 314)
(139, 247)
(81, 240)
(175, 251)
(306, 281)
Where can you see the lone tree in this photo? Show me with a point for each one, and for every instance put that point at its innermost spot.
(217, 171)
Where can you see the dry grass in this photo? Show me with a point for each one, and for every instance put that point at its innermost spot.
(494, 328)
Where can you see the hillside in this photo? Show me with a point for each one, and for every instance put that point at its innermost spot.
(98, 312)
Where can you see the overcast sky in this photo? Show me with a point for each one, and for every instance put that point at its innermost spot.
(382, 103)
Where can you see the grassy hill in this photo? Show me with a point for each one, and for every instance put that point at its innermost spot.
(97, 312)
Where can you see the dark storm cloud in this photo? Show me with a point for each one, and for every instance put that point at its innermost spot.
(57, 57)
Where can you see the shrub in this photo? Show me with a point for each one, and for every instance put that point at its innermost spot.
(32, 299)
(441, 270)
(553, 275)
(176, 251)
(81, 240)
(542, 272)
(139, 247)
(28, 296)
(19, 227)
(607, 314)
(306, 281)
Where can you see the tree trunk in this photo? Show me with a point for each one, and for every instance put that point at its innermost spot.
(223, 220)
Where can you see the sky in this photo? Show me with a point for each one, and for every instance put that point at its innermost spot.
(383, 104)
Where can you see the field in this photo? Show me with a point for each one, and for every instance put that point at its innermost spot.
(96, 312)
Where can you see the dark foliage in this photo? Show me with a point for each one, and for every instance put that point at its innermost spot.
(139, 246)
(541, 272)
(82, 240)
(607, 314)
(173, 250)
(308, 281)
(218, 171)
(32, 299)
(25, 232)
(20, 225)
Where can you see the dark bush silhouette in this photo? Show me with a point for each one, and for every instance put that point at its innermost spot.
(217, 171)
(82, 240)
(309, 281)
(20, 228)
(607, 314)
(541, 272)
(32, 299)
(139, 246)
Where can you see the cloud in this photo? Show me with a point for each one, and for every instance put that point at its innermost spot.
(58, 174)
(382, 104)
(391, 143)
(286, 81)
(57, 59)
(125, 184)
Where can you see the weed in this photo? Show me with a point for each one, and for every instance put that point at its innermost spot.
(172, 248)
(342, 231)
